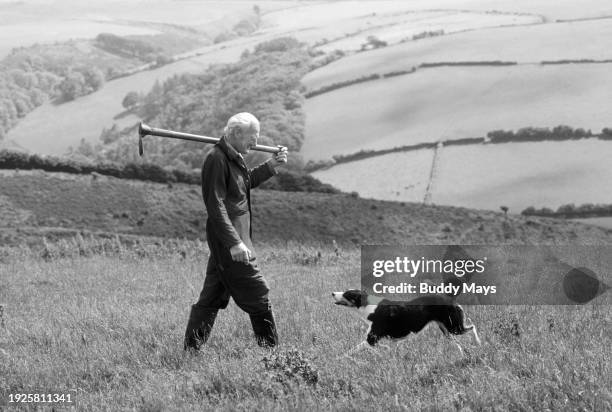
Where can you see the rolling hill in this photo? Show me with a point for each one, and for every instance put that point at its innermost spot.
(454, 102)
(525, 44)
(517, 175)
(40, 205)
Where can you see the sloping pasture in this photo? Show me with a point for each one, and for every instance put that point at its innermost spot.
(516, 175)
(33, 21)
(403, 26)
(397, 176)
(526, 44)
(455, 102)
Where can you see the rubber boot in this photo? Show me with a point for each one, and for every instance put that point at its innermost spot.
(265, 329)
(199, 325)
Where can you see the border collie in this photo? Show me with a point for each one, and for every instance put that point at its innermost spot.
(396, 320)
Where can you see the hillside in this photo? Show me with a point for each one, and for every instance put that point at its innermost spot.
(57, 205)
(572, 40)
(455, 102)
(517, 175)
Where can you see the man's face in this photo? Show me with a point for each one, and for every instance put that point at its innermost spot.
(244, 139)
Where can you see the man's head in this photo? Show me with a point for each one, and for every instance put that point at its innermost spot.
(242, 131)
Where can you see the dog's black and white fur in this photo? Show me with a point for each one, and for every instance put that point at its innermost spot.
(396, 320)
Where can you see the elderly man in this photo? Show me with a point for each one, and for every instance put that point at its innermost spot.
(232, 266)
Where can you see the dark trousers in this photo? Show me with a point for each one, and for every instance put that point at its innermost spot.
(242, 282)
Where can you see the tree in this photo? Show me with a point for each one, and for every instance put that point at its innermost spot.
(94, 79)
(72, 86)
(130, 100)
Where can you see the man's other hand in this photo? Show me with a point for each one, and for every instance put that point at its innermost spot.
(280, 158)
(240, 253)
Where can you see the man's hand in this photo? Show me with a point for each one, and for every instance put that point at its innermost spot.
(240, 253)
(279, 159)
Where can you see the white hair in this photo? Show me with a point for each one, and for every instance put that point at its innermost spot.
(243, 120)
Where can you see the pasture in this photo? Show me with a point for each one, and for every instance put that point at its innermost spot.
(605, 222)
(402, 27)
(525, 44)
(28, 22)
(516, 175)
(109, 327)
(454, 102)
(399, 176)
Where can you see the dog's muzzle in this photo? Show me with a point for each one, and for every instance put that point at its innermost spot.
(339, 297)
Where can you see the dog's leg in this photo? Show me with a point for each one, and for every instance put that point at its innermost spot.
(476, 338)
(450, 337)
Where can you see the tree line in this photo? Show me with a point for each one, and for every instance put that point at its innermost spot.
(265, 81)
(526, 134)
(571, 211)
(290, 181)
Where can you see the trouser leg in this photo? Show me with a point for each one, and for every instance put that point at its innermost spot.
(250, 291)
(214, 296)
(264, 328)
(199, 325)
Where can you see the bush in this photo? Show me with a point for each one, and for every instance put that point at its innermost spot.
(130, 100)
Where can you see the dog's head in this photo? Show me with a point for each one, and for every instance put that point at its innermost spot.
(352, 298)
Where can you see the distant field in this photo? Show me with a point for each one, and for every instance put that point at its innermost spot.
(323, 15)
(516, 175)
(543, 174)
(447, 103)
(404, 26)
(578, 40)
(25, 34)
(397, 176)
(394, 22)
(36, 21)
(605, 222)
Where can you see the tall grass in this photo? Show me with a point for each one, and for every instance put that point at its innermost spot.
(109, 325)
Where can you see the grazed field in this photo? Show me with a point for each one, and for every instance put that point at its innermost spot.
(454, 102)
(543, 174)
(516, 175)
(397, 176)
(403, 26)
(21, 22)
(110, 328)
(605, 222)
(527, 44)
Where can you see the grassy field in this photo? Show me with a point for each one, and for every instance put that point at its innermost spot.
(517, 175)
(454, 102)
(544, 174)
(526, 44)
(346, 25)
(402, 27)
(20, 22)
(605, 222)
(378, 177)
(110, 327)
(55, 206)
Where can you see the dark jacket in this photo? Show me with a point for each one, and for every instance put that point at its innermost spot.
(226, 188)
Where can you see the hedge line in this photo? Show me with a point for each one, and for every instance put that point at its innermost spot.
(571, 211)
(286, 180)
(526, 134)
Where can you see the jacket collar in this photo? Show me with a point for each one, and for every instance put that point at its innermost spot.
(229, 150)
